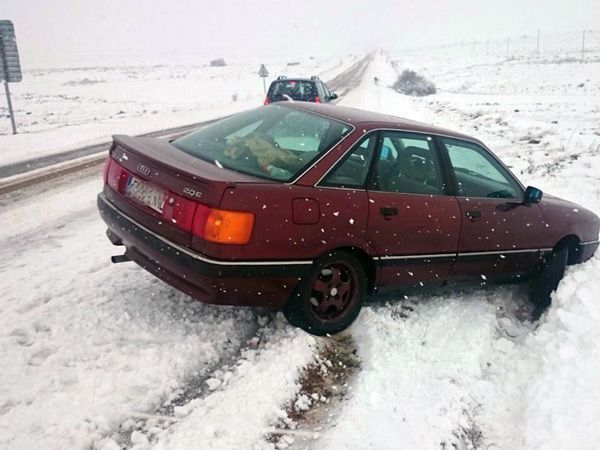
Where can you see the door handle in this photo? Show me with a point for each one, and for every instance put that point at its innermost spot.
(387, 213)
(473, 215)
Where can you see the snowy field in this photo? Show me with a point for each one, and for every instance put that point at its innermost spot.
(106, 357)
(59, 109)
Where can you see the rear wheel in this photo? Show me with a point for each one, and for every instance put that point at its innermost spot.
(547, 281)
(330, 297)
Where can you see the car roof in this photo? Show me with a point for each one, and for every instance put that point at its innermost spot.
(371, 120)
(295, 79)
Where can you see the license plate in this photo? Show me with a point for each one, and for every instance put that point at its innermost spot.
(145, 193)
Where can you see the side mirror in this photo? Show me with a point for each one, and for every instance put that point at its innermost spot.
(532, 195)
(333, 96)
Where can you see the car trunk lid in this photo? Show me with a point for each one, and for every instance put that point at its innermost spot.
(162, 187)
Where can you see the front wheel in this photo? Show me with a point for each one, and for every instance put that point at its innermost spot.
(547, 281)
(330, 297)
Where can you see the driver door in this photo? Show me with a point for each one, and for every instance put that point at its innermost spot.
(500, 237)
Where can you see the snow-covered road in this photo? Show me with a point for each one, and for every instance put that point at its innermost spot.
(102, 356)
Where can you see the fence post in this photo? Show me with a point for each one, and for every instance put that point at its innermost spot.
(583, 46)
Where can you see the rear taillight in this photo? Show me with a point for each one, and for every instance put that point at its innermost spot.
(116, 176)
(317, 99)
(266, 102)
(179, 212)
(210, 224)
(223, 227)
(106, 167)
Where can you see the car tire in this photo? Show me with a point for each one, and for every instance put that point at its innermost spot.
(546, 282)
(330, 297)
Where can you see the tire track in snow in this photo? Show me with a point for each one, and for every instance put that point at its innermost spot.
(236, 413)
(325, 384)
(208, 381)
(203, 383)
(351, 78)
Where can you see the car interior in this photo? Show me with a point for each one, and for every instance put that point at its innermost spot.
(411, 169)
(412, 172)
(401, 168)
(265, 142)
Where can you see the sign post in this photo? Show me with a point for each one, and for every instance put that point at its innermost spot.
(263, 73)
(10, 67)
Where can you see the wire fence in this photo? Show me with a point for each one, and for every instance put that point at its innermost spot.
(582, 46)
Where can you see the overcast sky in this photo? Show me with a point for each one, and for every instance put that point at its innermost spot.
(74, 30)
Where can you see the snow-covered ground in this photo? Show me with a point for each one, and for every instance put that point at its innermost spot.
(103, 356)
(59, 109)
(461, 369)
(84, 354)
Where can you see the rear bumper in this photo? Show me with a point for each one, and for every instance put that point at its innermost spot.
(252, 283)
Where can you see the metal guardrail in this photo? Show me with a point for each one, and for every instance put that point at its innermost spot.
(19, 175)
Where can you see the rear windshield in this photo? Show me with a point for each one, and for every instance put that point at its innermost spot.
(300, 90)
(274, 142)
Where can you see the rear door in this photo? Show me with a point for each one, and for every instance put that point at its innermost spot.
(413, 224)
(500, 237)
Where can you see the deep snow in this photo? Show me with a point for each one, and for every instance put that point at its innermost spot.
(89, 348)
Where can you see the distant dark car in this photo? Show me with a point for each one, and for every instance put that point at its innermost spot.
(299, 89)
(311, 208)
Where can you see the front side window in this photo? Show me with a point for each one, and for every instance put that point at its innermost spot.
(326, 90)
(408, 164)
(274, 142)
(478, 174)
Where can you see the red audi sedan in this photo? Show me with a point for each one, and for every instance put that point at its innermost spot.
(310, 208)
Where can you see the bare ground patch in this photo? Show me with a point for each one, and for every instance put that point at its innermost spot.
(324, 384)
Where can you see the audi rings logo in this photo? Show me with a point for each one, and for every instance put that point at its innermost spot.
(144, 170)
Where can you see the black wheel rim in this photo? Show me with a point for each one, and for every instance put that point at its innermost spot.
(333, 291)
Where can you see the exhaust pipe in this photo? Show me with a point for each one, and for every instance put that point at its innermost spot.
(116, 259)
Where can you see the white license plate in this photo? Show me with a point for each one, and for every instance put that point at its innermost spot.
(145, 193)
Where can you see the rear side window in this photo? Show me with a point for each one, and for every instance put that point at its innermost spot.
(274, 142)
(352, 171)
(300, 90)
